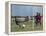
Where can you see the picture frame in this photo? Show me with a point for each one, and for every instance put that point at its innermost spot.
(8, 17)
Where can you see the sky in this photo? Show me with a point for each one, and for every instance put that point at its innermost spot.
(25, 10)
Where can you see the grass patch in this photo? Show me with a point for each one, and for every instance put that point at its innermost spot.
(29, 27)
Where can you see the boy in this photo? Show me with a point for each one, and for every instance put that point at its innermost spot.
(38, 19)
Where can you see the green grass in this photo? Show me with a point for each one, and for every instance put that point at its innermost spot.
(29, 27)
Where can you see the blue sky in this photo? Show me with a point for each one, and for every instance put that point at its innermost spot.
(21, 10)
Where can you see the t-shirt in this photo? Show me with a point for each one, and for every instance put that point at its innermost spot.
(38, 18)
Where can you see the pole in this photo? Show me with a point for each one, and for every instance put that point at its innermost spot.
(33, 23)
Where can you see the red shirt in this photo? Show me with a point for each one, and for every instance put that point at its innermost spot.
(38, 18)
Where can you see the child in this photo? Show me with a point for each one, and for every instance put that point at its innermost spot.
(38, 19)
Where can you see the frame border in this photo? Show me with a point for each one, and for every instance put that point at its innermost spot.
(9, 17)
